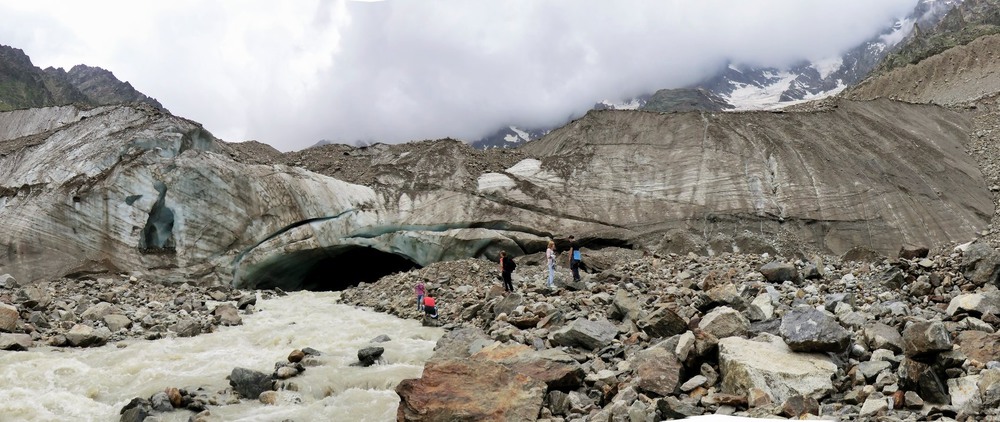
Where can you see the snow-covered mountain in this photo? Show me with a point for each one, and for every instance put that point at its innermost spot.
(746, 87)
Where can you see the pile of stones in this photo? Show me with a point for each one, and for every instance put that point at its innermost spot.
(88, 312)
(911, 337)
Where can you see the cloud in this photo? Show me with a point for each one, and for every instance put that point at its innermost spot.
(292, 73)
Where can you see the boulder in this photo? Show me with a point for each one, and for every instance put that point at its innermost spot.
(979, 346)
(977, 304)
(658, 370)
(368, 356)
(910, 251)
(15, 342)
(586, 334)
(117, 322)
(227, 314)
(981, 264)
(923, 379)
(7, 281)
(476, 390)
(98, 311)
(964, 392)
(748, 364)
(82, 335)
(881, 336)
(625, 306)
(557, 369)
(249, 383)
(923, 338)
(778, 271)
(8, 317)
(662, 322)
(805, 329)
(724, 322)
(989, 387)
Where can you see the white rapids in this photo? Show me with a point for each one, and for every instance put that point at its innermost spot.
(59, 384)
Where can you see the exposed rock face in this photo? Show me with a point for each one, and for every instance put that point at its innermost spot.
(134, 189)
(748, 364)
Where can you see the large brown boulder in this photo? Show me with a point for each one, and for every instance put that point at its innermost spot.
(469, 390)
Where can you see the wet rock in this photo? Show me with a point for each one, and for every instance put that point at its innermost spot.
(805, 329)
(249, 383)
(227, 315)
(747, 364)
(662, 322)
(477, 390)
(268, 397)
(777, 271)
(286, 372)
(296, 356)
(724, 322)
(86, 336)
(246, 301)
(15, 342)
(923, 338)
(187, 328)
(368, 356)
(585, 333)
(136, 410)
(658, 370)
(161, 402)
(8, 318)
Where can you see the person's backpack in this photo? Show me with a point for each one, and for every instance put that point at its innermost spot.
(509, 264)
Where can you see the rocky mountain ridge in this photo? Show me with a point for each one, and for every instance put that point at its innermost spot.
(23, 85)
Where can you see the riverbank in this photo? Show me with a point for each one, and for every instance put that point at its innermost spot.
(848, 338)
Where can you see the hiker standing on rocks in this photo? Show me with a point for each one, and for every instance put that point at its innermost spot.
(550, 262)
(507, 266)
(574, 258)
(420, 290)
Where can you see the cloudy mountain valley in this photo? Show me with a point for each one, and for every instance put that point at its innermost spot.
(818, 240)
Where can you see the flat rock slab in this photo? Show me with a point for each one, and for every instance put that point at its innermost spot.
(774, 368)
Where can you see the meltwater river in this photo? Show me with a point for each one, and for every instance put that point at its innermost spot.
(68, 384)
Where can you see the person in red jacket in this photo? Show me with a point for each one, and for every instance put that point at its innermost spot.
(430, 306)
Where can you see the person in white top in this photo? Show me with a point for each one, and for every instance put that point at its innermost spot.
(550, 262)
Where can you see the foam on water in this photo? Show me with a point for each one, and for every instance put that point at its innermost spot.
(53, 384)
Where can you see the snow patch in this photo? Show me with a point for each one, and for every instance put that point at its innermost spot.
(631, 104)
(526, 168)
(490, 182)
(903, 29)
(752, 97)
(524, 135)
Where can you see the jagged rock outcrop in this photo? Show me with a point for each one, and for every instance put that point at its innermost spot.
(131, 188)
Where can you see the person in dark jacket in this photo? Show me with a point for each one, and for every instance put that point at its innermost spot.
(507, 266)
(574, 258)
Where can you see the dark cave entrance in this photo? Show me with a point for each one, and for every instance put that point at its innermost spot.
(328, 269)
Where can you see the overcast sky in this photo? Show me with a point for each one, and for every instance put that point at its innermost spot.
(290, 73)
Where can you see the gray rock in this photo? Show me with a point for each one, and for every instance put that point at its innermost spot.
(674, 408)
(872, 368)
(382, 338)
(777, 272)
(806, 329)
(975, 303)
(187, 328)
(82, 335)
(97, 312)
(249, 383)
(875, 405)
(989, 387)
(920, 377)
(747, 364)
(8, 317)
(761, 308)
(981, 264)
(227, 314)
(724, 322)
(15, 342)
(658, 370)
(368, 356)
(117, 322)
(923, 338)
(662, 322)
(625, 306)
(161, 402)
(881, 336)
(912, 400)
(964, 392)
(586, 334)
(695, 382)
(246, 301)
(7, 281)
